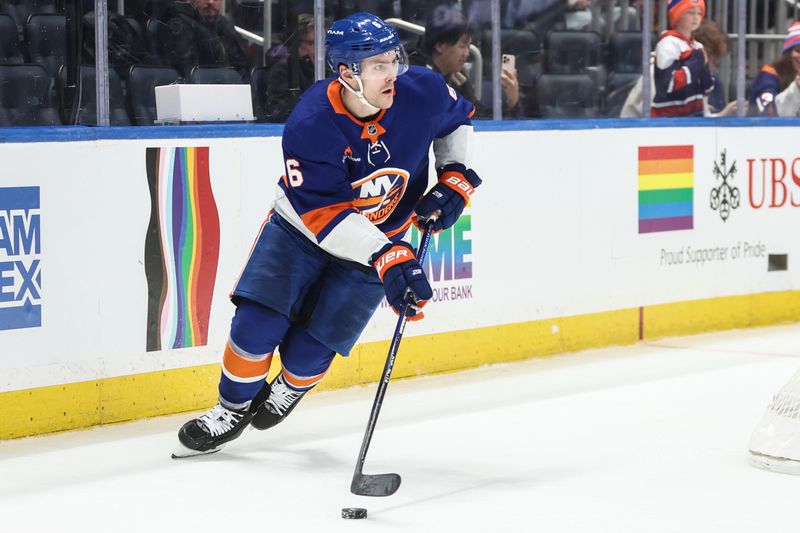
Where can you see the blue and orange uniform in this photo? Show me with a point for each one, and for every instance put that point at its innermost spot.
(763, 92)
(350, 187)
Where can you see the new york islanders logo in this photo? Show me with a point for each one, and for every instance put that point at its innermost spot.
(378, 194)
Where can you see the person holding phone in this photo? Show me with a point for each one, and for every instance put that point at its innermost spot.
(446, 49)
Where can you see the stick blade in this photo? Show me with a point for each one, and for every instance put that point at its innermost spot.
(377, 485)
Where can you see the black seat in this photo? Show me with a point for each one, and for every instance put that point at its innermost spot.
(25, 96)
(216, 75)
(7, 8)
(625, 52)
(158, 39)
(617, 90)
(25, 8)
(9, 41)
(87, 113)
(47, 41)
(567, 96)
(142, 82)
(573, 52)
(258, 90)
(524, 44)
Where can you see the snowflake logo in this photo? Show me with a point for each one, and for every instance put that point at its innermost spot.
(725, 196)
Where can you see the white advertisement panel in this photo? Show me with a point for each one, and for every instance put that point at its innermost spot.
(117, 257)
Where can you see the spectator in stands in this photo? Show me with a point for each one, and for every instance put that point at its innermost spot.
(578, 15)
(716, 46)
(201, 36)
(280, 99)
(776, 89)
(445, 49)
(715, 43)
(681, 74)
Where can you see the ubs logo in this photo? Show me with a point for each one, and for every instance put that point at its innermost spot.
(725, 196)
(377, 195)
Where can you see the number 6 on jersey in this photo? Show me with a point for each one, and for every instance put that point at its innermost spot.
(293, 172)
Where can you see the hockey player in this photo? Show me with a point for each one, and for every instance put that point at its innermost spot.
(682, 76)
(356, 170)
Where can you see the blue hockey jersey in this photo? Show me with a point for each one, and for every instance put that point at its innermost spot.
(763, 92)
(351, 186)
(682, 77)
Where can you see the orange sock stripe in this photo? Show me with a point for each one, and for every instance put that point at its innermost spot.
(237, 366)
(299, 382)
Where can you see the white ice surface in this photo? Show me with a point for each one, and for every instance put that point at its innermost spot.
(648, 438)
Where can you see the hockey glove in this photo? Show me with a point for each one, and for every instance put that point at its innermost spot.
(448, 198)
(402, 275)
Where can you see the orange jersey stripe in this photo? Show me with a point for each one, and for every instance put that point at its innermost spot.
(401, 229)
(239, 366)
(317, 219)
(769, 69)
(301, 382)
(334, 93)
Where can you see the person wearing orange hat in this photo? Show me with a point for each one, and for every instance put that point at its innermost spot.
(776, 89)
(682, 76)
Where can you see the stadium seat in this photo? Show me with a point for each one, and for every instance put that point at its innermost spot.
(87, 114)
(625, 52)
(617, 90)
(47, 41)
(567, 96)
(142, 82)
(25, 8)
(524, 44)
(7, 8)
(158, 38)
(9, 42)
(573, 52)
(216, 75)
(258, 89)
(25, 96)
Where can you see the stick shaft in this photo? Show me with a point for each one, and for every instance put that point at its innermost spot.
(387, 368)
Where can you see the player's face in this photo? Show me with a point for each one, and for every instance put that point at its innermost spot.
(450, 58)
(690, 20)
(378, 74)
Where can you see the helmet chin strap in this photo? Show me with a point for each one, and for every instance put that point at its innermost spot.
(360, 93)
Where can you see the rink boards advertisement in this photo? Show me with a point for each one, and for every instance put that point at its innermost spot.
(117, 256)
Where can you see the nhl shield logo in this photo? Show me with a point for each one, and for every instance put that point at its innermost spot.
(372, 129)
(377, 195)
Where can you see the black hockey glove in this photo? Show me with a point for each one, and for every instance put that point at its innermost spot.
(448, 198)
(402, 274)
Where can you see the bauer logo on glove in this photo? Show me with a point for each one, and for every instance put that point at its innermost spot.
(448, 198)
(402, 275)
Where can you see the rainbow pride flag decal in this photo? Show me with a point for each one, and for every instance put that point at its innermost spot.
(666, 188)
(181, 247)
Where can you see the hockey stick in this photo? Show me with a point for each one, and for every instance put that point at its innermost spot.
(385, 484)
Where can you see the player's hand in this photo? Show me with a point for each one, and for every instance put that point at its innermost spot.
(402, 275)
(448, 198)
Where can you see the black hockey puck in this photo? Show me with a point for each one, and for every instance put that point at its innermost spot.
(354, 512)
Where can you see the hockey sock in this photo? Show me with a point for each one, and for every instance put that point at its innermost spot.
(255, 332)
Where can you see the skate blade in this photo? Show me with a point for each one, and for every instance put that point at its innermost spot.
(181, 451)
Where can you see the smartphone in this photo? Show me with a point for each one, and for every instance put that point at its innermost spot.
(509, 61)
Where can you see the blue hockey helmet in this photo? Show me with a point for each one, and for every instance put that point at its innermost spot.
(360, 36)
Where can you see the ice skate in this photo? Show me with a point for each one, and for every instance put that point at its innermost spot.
(279, 404)
(210, 432)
